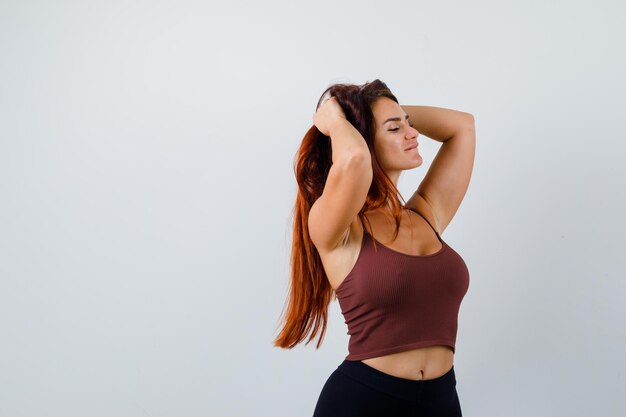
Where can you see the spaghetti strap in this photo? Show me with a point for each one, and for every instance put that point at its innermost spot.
(431, 226)
(362, 224)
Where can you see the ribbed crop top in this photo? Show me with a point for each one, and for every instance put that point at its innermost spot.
(393, 301)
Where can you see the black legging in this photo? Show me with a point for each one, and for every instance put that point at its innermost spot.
(356, 389)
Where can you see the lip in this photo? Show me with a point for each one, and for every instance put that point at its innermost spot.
(411, 147)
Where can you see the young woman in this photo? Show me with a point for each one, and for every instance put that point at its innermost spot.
(398, 283)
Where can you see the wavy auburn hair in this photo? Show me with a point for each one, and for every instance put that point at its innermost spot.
(310, 292)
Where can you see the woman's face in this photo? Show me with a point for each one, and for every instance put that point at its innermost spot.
(393, 137)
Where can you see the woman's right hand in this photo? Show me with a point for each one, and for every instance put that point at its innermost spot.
(327, 114)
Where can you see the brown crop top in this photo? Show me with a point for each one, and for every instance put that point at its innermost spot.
(393, 301)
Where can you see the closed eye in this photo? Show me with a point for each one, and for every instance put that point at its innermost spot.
(397, 128)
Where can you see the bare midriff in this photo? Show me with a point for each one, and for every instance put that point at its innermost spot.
(417, 364)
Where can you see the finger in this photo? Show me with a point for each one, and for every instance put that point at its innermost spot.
(326, 98)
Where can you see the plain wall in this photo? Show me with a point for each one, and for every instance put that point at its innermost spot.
(146, 179)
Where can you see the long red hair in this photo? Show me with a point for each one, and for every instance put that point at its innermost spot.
(310, 293)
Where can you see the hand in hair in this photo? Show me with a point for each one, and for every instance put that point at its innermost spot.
(327, 114)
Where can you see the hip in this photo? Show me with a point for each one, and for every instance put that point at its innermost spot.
(356, 389)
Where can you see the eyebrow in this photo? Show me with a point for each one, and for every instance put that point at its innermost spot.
(395, 119)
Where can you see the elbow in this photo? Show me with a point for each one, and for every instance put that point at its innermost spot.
(359, 160)
(359, 155)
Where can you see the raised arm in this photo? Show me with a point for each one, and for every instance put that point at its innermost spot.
(348, 182)
(448, 177)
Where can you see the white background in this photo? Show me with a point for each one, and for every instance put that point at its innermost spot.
(146, 180)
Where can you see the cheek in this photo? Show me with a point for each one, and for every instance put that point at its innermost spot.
(382, 149)
(377, 145)
(388, 147)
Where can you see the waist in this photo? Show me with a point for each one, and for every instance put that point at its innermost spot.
(405, 389)
(425, 363)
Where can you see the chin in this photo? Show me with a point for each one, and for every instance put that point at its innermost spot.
(418, 163)
(411, 166)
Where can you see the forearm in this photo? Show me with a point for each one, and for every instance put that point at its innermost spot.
(346, 141)
(437, 123)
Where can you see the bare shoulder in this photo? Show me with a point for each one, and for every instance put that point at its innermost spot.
(420, 205)
(352, 235)
(340, 260)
